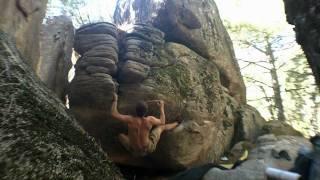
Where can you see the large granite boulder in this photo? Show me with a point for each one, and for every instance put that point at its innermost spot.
(149, 68)
(22, 19)
(56, 44)
(195, 24)
(305, 16)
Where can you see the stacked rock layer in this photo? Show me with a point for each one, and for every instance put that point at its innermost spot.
(140, 53)
(93, 83)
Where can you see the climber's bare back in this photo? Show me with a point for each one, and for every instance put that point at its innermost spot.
(139, 129)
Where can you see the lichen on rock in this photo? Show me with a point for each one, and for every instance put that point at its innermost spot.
(39, 140)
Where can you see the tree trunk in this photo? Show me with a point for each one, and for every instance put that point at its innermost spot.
(315, 116)
(275, 83)
(38, 139)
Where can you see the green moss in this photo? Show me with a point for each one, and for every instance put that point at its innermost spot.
(174, 78)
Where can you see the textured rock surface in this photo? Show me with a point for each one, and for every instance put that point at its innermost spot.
(197, 25)
(268, 143)
(250, 170)
(56, 45)
(38, 139)
(250, 124)
(266, 154)
(279, 128)
(93, 84)
(305, 16)
(22, 20)
(150, 69)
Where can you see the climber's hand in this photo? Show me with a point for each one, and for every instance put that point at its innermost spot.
(160, 103)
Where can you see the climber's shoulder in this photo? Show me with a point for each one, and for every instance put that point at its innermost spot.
(153, 120)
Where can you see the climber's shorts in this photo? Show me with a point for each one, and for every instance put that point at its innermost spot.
(154, 138)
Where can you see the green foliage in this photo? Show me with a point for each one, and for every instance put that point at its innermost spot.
(262, 52)
(304, 93)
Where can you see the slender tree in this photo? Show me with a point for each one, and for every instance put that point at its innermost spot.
(264, 44)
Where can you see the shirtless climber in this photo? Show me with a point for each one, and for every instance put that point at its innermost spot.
(143, 132)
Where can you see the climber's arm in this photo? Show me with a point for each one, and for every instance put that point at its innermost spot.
(114, 111)
(162, 120)
(162, 115)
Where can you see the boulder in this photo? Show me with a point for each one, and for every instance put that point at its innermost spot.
(271, 151)
(192, 91)
(278, 151)
(22, 19)
(56, 45)
(195, 24)
(250, 124)
(279, 128)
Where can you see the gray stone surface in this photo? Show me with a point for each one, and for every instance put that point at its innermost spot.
(250, 124)
(195, 24)
(56, 44)
(22, 19)
(267, 153)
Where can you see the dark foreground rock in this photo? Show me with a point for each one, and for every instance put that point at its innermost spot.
(305, 16)
(39, 140)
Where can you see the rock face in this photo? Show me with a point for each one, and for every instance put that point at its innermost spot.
(56, 45)
(191, 67)
(39, 140)
(22, 19)
(149, 68)
(271, 151)
(250, 124)
(305, 16)
(279, 128)
(195, 24)
(98, 46)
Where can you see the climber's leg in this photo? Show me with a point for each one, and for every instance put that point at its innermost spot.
(155, 135)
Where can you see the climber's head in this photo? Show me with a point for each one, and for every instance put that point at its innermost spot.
(141, 108)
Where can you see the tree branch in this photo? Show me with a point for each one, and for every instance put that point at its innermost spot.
(254, 80)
